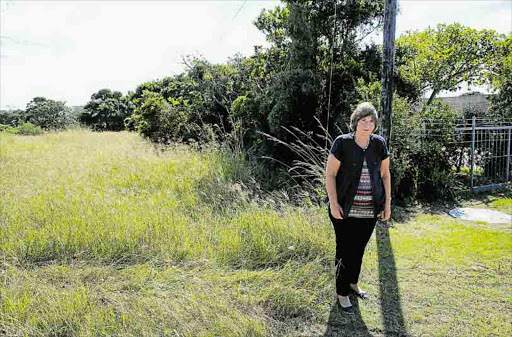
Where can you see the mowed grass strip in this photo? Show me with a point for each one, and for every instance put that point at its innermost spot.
(102, 234)
(502, 204)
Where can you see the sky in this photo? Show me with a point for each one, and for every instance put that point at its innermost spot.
(67, 50)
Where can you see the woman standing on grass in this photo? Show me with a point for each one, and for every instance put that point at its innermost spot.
(358, 185)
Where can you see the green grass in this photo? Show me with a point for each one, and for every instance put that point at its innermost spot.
(503, 204)
(102, 234)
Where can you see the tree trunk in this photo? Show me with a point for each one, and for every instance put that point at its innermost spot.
(432, 96)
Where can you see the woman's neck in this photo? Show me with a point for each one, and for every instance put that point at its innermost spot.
(362, 138)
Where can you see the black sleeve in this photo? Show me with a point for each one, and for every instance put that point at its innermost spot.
(385, 153)
(337, 148)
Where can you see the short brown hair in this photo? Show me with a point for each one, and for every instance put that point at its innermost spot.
(363, 110)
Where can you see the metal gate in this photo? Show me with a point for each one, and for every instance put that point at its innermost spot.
(489, 156)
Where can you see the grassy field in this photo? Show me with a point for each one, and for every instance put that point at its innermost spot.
(103, 234)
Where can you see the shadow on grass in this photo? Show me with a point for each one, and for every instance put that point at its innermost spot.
(341, 324)
(391, 308)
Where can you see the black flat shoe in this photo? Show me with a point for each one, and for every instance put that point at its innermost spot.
(348, 310)
(361, 294)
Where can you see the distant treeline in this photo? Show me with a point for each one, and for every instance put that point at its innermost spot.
(302, 89)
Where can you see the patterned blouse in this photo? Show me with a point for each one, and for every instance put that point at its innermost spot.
(362, 206)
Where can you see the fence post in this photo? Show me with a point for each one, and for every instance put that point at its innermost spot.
(473, 149)
(507, 171)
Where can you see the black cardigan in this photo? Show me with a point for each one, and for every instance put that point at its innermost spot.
(351, 157)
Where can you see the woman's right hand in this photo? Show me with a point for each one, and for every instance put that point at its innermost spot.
(336, 211)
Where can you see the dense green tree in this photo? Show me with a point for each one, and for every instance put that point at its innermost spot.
(501, 104)
(107, 110)
(443, 58)
(218, 90)
(500, 76)
(12, 117)
(292, 75)
(48, 114)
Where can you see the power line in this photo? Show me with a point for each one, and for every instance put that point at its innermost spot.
(239, 10)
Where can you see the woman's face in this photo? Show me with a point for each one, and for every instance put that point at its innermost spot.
(366, 125)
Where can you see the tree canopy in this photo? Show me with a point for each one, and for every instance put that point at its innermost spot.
(500, 76)
(443, 58)
(48, 114)
(107, 110)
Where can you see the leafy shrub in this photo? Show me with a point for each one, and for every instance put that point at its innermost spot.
(24, 129)
(29, 129)
(403, 144)
(8, 129)
(160, 120)
(422, 151)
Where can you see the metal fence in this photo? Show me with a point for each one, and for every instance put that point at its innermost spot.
(478, 149)
(487, 144)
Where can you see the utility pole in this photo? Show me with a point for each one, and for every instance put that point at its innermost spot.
(388, 62)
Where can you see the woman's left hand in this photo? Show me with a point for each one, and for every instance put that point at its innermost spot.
(386, 213)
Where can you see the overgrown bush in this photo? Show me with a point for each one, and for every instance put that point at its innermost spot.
(402, 147)
(27, 129)
(8, 129)
(161, 120)
(422, 151)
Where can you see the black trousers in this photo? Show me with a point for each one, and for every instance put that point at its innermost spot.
(352, 236)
